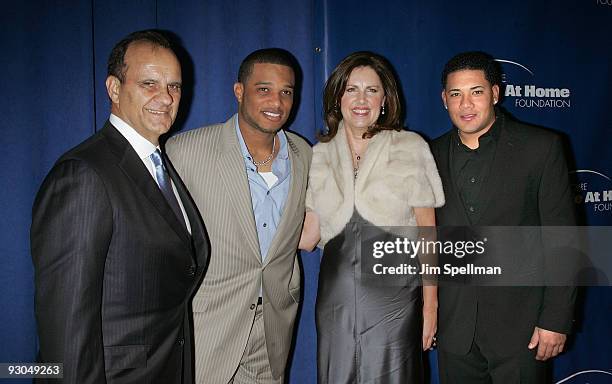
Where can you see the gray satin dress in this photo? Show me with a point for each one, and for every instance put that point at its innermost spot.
(368, 330)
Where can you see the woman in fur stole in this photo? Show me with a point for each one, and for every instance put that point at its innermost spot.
(367, 173)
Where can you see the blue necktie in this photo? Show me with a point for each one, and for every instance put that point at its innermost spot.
(165, 185)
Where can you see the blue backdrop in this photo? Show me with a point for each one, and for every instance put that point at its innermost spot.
(556, 57)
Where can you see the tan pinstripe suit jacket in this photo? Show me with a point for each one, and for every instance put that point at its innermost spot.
(210, 163)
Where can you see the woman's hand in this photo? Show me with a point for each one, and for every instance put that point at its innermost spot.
(430, 326)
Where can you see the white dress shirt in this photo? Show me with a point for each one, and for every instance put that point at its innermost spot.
(144, 148)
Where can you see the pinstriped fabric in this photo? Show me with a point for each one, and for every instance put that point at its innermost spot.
(211, 165)
(254, 366)
(114, 269)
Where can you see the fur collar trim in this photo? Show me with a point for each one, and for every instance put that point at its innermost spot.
(397, 172)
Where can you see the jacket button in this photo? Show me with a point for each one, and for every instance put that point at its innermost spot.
(181, 341)
(252, 306)
(191, 271)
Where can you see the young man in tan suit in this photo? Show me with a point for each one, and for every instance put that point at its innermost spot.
(248, 178)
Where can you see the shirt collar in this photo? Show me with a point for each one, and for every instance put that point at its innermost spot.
(283, 153)
(490, 136)
(143, 147)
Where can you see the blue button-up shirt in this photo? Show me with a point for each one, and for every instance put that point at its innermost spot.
(268, 203)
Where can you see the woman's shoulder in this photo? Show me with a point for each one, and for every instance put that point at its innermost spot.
(407, 140)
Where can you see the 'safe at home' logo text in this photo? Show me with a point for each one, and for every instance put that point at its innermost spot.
(529, 95)
(594, 190)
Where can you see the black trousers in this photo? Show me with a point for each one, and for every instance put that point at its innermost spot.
(481, 366)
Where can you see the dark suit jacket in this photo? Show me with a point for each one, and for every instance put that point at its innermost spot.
(527, 186)
(114, 268)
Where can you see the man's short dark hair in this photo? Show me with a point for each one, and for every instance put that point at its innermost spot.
(116, 60)
(474, 60)
(265, 56)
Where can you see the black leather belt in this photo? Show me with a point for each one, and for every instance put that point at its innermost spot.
(259, 301)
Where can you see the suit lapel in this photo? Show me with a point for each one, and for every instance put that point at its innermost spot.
(504, 158)
(293, 198)
(233, 175)
(199, 236)
(133, 167)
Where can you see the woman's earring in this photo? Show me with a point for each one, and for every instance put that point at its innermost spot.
(382, 109)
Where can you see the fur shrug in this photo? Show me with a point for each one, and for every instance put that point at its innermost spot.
(396, 173)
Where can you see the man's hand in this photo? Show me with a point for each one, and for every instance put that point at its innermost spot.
(549, 343)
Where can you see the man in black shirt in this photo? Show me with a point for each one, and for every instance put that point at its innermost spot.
(498, 172)
(471, 168)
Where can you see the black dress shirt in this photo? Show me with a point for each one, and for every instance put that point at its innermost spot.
(471, 167)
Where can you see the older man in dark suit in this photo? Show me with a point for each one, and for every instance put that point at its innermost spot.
(118, 245)
(498, 172)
